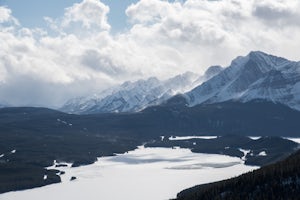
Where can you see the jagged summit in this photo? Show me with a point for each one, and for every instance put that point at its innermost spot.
(255, 76)
(212, 71)
(132, 96)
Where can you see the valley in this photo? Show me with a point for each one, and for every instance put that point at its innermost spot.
(38, 136)
(159, 129)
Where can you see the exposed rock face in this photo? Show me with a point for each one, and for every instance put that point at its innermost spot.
(257, 76)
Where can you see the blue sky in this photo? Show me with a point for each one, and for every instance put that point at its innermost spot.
(30, 13)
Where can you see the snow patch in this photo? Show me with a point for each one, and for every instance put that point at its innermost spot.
(245, 151)
(45, 177)
(254, 137)
(297, 140)
(13, 151)
(263, 153)
(192, 137)
(64, 122)
(2, 155)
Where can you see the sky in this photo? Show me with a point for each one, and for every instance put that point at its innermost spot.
(51, 51)
(31, 13)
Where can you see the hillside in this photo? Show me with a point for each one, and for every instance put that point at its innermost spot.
(277, 181)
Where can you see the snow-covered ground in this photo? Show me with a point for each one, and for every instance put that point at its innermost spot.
(145, 173)
(297, 140)
(254, 137)
(191, 137)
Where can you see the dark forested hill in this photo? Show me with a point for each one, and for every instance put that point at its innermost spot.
(276, 181)
(252, 118)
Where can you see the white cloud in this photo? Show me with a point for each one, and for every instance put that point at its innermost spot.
(79, 55)
(5, 15)
(89, 12)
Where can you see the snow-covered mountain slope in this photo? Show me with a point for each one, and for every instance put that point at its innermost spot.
(255, 76)
(208, 74)
(132, 96)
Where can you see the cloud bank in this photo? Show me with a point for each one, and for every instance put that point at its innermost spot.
(78, 55)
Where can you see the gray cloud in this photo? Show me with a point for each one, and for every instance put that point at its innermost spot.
(282, 13)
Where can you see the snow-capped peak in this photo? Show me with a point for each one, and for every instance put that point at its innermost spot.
(132, 96)
(255, 76)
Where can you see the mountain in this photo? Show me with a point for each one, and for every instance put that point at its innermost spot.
(131, 96)
(257, 76)
(277, 181)
(212, 71)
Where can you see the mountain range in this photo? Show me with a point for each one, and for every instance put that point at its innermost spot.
(131, 96)
(256, 76)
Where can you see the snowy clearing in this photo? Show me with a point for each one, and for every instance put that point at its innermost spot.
(191, 137)
(263, 153)
(254, 137)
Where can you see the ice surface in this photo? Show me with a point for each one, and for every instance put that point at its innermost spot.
(145, 173)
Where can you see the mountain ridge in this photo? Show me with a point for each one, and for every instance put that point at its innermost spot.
(131, 96)
(255, 76)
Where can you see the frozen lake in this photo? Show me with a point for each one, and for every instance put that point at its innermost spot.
(145, 173)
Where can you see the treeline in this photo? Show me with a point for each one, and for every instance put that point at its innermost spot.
(277, 181)
(18, 176)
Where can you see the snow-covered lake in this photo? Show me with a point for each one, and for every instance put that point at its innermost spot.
(145, 173)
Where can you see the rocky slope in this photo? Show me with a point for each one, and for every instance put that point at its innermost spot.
(131, 96)
(255, 76)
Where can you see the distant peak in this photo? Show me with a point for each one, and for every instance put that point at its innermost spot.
(153, 79)
(258, 53)
(213, 70)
